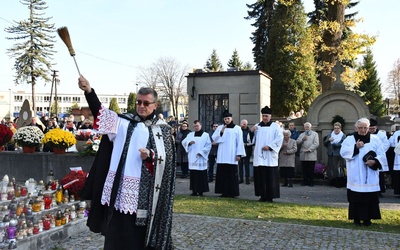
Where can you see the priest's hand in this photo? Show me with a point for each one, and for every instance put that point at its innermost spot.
(192, 142)
(84, 84)
(144, 153)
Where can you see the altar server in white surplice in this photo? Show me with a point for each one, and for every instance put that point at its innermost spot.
(268, 141)
(229, 138)
(198, 145)
(364, 155)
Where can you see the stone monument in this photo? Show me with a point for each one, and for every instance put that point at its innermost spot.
(336, 101)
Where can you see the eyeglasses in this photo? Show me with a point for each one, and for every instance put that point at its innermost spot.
(145, 103)
(215, 126)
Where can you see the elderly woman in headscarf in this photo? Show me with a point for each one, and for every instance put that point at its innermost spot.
(333, 142)
(364, 155)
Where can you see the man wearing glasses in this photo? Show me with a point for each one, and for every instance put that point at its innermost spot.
(131, 182)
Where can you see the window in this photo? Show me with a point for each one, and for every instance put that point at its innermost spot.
(211, 108)
(76, 99)
(18, 98)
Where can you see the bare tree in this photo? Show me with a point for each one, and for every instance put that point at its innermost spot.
(167, 76)
(393, 84)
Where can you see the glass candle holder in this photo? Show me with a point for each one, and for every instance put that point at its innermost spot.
(47, 201)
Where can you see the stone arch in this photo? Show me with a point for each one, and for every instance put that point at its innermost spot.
(337, 102)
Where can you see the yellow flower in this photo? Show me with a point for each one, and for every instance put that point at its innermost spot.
(59, 138)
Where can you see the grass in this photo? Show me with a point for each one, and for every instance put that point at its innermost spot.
(281, 212)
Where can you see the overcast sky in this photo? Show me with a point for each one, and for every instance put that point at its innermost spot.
(112, 39)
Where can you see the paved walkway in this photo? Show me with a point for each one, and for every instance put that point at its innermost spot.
(202, 232)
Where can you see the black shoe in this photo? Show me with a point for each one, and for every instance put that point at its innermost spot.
(290, 185)
(311, 184)
(284, 185)
(193, 194)
(200, 194)
(357, 222)
(247, 182)
(240, 182)
(303, 184)
(367, 223)
(210, 180)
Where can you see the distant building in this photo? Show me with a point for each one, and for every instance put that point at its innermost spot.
(243, 93)
(11, 102)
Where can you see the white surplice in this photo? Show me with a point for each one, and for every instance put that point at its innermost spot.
(230, 144)
(360, 177)
(272, 137)
(197, 152)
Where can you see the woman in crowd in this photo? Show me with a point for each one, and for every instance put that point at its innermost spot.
(333, 142)
(364, 155)
(69, 125)
(86, 124)
(286, 159)
(308, 142)
(181, 154)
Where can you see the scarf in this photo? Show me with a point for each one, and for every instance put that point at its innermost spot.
(336, 137)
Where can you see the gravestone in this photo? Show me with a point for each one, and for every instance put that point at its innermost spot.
(25, 115)
(336, 101)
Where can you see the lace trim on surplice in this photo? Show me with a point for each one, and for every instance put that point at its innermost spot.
(107, 121)
(127, 196)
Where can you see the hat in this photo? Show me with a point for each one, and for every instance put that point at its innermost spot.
(226, 114)
(373, 122)
(266, 111)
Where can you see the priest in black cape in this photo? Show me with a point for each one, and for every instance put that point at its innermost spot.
(131, 182)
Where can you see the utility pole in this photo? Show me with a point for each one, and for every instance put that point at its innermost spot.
(54, 83)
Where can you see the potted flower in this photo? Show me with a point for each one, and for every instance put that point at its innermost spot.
(29, 138)
(82, 136)
(92, 146)
(5, 135)
(59, 140)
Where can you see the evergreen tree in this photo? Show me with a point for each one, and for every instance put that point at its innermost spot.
(34, 47)
(235, 62)
(289, 60)
(53, 110)
(262, 12)
(247, 66)
(132, 103)
(213, 63)
(371, 87)
(75, 105)
(114, 105)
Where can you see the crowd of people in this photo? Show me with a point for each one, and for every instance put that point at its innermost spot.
(359, 161)
(45, 124)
